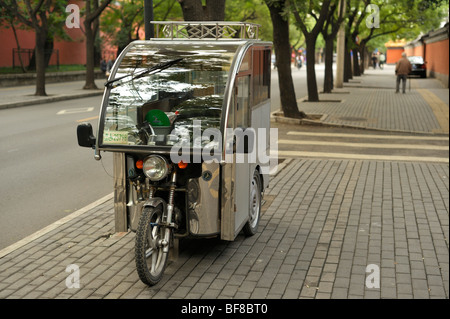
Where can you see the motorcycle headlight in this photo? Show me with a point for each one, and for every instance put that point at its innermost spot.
(155, 167)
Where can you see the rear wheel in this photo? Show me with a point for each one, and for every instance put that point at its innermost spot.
(150, 257)
(251, 227)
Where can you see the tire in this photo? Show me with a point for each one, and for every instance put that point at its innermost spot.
(150, 258)
(251, 226)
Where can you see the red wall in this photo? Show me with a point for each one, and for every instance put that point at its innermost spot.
(434, 53)
(437, 57)
(415, 51)
(70, 52)
(393, 55)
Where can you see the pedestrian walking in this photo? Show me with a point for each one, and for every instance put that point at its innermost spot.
(402, 69)
(374, 60)
(103, 66)
(382, 60)
(109, 65)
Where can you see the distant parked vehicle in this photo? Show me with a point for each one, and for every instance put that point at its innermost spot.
(418, 66)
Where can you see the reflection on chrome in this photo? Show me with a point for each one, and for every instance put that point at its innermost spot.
(158, 107)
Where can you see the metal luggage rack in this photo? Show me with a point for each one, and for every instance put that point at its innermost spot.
(206, 30)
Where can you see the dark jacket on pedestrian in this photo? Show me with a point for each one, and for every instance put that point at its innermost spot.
(403, 67)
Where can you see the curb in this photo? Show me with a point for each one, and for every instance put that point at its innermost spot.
(277, 117)
(50, 99)
(54, 225)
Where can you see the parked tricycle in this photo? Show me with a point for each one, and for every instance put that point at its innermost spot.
(188, 120)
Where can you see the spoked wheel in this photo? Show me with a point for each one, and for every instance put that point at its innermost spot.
(150, 257)
(251, 226)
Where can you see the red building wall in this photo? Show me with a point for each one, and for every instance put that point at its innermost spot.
(437, 57)
(417, 50)
(434, 48)
(393, 54)
(70, 52)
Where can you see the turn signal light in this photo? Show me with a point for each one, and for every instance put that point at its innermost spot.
(182, 165)
(140, 164)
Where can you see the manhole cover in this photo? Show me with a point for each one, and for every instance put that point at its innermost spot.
(353, 119)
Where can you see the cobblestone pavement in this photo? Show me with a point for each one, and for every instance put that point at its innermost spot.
(370, 102)
(329, 229)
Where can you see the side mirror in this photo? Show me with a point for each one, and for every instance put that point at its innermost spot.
(85, 135)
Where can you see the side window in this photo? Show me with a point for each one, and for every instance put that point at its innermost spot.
(257, 76)
(261, 75)
(240, 115)
(242, 101)
(266, 74)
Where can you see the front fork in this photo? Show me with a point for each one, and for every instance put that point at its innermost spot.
(170, 207)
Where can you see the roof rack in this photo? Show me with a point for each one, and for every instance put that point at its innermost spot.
(206, 30)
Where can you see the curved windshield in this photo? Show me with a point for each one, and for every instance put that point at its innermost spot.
(164, 94)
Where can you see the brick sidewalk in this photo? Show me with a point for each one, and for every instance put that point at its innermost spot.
(24, 95)
(324, 222)
(370, 102)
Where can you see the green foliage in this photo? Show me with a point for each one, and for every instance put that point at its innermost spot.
(404, 19)
(250, 11)
(16, 13)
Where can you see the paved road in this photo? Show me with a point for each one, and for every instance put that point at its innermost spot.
(45, 175)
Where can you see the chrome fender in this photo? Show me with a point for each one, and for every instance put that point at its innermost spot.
(155, 202)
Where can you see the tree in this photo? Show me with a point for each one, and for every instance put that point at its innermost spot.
(311, 37)
(45, 18)
(250, 11)
(329, 33)
(402, 19)
(194, 10)
(91, 24)
(282, 48)
(122, 21)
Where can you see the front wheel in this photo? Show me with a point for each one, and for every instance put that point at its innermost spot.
(150, 255)
(251, 227)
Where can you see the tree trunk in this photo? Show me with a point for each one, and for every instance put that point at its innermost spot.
(313, 94)
(347, 64)
(363, 58)
(356, 69)
(328, 79)
(193, 10)
(215, 10)
(90, 74)
(90, 26)
(41, 37)
(283, 62)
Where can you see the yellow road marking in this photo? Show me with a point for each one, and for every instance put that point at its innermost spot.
(440, 109)
(88, 119)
